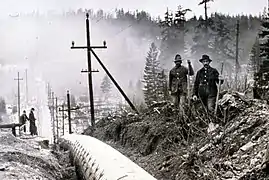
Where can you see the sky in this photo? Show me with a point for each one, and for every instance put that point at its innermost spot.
(154, 7)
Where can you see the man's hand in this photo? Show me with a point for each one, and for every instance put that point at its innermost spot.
(194, 98)
(221, 77)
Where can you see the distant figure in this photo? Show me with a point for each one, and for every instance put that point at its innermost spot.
(32, 119)
(23, 119)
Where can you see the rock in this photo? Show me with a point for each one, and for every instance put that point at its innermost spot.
(2, 168)
(44, 144)
(204, 148)
(247, 146)
(228, 174)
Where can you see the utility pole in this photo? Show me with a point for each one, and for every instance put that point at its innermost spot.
(89, 71)
(63, 116)
(69, 112)
(19, 98)
(89, 51)
(69, 109)
(26, 82)
(237, 55)
(52, 116)
(57, 122)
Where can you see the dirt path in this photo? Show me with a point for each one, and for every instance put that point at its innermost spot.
(26, 159)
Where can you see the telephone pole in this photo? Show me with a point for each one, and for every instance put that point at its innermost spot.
(26, 82)
(62, 116)
(69, 112)
(90, 50)
(53, 117)
(237, 55)
(89, 71)
(69, 109)
(57, 122)
(19, 98)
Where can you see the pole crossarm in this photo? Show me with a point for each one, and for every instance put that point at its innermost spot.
(86, 71)
(72, 109)
(92, 47)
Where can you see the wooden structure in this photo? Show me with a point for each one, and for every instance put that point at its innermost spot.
(12, 126)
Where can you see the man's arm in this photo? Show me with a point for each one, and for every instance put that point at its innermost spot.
(190, 69)
(170, 81)
(196, 84)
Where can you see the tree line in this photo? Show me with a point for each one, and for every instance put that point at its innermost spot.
(213, 34)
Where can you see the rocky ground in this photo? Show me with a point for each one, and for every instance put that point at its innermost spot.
(31, 158)
(171, 147)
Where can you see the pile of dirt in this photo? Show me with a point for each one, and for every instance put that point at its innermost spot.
(173, 147)
(26, 159)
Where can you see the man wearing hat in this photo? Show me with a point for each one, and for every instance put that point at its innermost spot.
(23, 119)
(32, 120)
(178, 81)
(205, 85)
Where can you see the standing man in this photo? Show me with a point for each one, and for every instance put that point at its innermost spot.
(178, 81)
(205, 85)
(32, 120)
(23, 119)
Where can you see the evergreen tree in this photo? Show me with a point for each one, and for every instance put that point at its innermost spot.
(139, 92)
(254, 61)
(152, 68)
(222, 45)
(201, 41)
(264, 39)
(106, 87)
(205, 3)
(163, 86)
(173, 35)
(179, 23)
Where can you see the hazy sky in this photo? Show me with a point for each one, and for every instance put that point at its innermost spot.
(155, 7)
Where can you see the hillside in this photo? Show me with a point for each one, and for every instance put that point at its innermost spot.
(178, 149)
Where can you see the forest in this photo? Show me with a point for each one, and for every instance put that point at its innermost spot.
(141, 48)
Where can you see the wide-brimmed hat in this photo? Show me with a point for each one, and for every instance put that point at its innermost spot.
(205, 57)
(178, 56)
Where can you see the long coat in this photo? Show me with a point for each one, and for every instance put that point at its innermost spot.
(32, 120)
(178, 79)
(205, 84)
(23, 119)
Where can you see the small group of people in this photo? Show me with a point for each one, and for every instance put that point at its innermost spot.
(31, 119)
(205, 85)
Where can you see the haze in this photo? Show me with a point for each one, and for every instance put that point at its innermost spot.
(42, 45)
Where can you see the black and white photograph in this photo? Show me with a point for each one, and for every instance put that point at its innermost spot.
(134, 90)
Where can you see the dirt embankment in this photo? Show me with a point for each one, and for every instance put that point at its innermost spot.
(30, 159)
(175, 148)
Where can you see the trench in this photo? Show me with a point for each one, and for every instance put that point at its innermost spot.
(69, 170)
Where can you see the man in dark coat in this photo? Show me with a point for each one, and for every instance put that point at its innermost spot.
(205, 85)
(32, 119)
(178, 81)
(23, 119)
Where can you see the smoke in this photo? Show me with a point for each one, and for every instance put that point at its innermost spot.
(41, 44)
